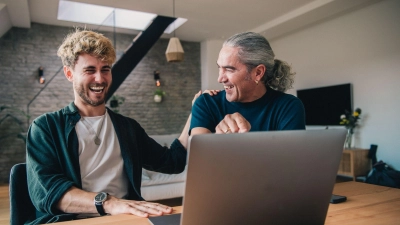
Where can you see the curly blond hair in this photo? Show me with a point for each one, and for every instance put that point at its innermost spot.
(85, 41)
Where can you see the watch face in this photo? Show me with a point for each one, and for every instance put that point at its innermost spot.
(100, 197)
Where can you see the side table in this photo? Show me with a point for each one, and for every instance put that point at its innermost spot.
(354, 162)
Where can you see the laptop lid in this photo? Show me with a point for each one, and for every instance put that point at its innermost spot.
(274, 177)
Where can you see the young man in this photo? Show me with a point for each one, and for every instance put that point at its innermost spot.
(253, 98)
(86, 160)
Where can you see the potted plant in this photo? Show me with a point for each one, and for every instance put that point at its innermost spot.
(158, 94)
(350, 121)
(115, 102)
(8, 112)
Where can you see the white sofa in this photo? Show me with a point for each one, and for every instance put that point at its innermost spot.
(157, 186)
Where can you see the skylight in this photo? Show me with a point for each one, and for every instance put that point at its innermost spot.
(103, 15)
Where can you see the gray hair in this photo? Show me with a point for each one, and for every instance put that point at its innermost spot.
(254, 49)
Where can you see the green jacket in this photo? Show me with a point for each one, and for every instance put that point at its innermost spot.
(53, 160)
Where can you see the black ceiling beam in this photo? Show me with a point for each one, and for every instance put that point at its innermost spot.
(129, 60)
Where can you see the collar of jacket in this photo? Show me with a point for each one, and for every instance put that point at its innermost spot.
(72, 116)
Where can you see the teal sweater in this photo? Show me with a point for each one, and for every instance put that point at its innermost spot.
(53, 160)
(273, 111)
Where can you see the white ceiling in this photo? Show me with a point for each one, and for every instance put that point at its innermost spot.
(207, 19)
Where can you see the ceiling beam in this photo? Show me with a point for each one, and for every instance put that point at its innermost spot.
(139, 48)
(312, 13)
(18, 11)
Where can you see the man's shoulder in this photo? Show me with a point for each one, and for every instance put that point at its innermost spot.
(218, 98)
(59, 114)
(121, 118)
(282, 95)
(280, 99)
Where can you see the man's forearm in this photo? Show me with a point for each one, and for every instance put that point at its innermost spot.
(76, 200)
(183, 138)
(199, 130)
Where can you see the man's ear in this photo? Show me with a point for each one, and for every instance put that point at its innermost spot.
(260, 71)
(68, 73)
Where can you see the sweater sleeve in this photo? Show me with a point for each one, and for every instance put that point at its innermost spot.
(46, 180)
(163, 159)
(141, 151)
(202, 115)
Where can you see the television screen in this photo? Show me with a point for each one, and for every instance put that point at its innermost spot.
(324, 105)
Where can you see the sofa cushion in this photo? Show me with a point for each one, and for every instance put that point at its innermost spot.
(145, 175)
(155, 178)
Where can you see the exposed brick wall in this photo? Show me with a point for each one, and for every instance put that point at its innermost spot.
(23, 51)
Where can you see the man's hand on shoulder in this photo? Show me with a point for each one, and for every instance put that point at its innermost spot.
(233, 123)
(210, 92)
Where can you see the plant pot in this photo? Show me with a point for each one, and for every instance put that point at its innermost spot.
(157, 98)
(114, 103)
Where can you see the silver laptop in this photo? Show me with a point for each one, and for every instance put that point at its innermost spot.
(278, 177)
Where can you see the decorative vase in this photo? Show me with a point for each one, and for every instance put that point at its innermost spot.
(349, 139)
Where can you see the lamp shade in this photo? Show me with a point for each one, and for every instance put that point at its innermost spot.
(174, 51)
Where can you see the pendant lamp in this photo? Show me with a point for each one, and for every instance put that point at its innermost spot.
(174, 51)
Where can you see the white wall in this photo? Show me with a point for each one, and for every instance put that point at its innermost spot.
(5, 22)
(362, 48)
(209, 70)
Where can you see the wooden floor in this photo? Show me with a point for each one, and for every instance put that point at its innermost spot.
(5, 201)
(4, 205)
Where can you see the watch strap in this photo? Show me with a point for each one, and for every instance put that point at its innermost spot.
(99, 207)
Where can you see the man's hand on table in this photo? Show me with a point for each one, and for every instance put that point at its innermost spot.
(116, 206)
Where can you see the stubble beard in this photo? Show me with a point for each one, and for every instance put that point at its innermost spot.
(232, 97)
(85, 97)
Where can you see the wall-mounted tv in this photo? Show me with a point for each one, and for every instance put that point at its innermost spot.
(325, 105)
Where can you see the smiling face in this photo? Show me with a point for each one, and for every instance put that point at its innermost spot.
(239, 84)
(91, 79)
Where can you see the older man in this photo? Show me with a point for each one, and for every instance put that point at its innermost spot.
(253, 98)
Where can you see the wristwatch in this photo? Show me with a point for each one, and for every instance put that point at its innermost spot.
(98, 202)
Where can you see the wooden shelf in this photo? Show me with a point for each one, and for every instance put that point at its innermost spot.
(354, 163)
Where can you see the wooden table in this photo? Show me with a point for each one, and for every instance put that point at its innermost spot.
(366, 204)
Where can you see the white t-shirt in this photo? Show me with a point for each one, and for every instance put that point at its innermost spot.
(102, 166)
